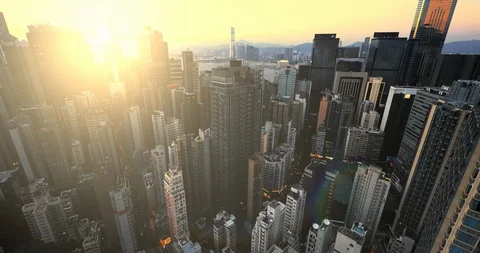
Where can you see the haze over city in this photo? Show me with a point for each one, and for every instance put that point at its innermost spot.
(186, 23)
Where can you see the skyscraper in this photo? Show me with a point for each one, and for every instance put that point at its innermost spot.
(395, 116)
(190, 156)
(232, 43)
(191, 82)
(451, 67)
(175, 202)
(234, 107)
(135, 128)
(368, 197)
(159, 162)
(449, 134)
(322, 68)
(121, 200)
(241, 51)
(294, 211)
(286, 85)
(288, 54)
(320, 237)
(458, 213)
(352, 86)
(385, 57)
(268, 227)
(414, 128)
(425, 43)
(176, 73)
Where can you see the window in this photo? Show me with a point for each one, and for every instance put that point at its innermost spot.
(456, 249)
(471, 222)
(466, 238)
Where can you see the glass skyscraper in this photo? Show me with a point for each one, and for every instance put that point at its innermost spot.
(426, 40)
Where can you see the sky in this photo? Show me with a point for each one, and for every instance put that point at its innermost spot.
(207, 22)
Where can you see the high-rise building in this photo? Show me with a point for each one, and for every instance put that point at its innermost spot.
(5, 35)
(322, 68)
(365, 47)
(190, 156)
(268, 227)
(363, 143)
(241, 51)
(78, 157)
(374, 92)
(54, 155)
(451, 67)
(276, 166)
(176, 73)
(338, 119)
(320, 237)
(449, 134)
(159, 162)
(24, 141)
(135, 128)
(424, 99)
(191, 113)
(286, 85)
(224, 232)
(288, 54)
(294, 211)
(255, 187)
(235, 104)
(455, 226)
(368, 197)
(232, 43)
(70, 119)
(348, 52)
(352, 86)
(350, 240)
(122, 205)
(425, 43)
(395, 116)
(190, 73)
(175, 203)
(385, 57)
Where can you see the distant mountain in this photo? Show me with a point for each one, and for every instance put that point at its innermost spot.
(462, 47)
(260, 44)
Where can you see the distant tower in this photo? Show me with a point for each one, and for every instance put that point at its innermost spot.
(232, 43)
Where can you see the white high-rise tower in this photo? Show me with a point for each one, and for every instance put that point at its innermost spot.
(295, 207)
(232, 43)
(175, 203)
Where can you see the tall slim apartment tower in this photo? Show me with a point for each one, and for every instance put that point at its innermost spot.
(232, 43)
(268, 227)
(322, 68)
(159, 162)
(121, 200)
(449, 136)
(191, 81)
(385, 57)
(235, 106)
(320, 237)
(190, 155)
(295, 209)
(153, 54)
(224, 232)
(175, 203)
(424, 100)
(368, 197)
(286, 85)
(425, 43)
(135, 128)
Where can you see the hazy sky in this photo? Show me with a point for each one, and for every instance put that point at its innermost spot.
(188, 22)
